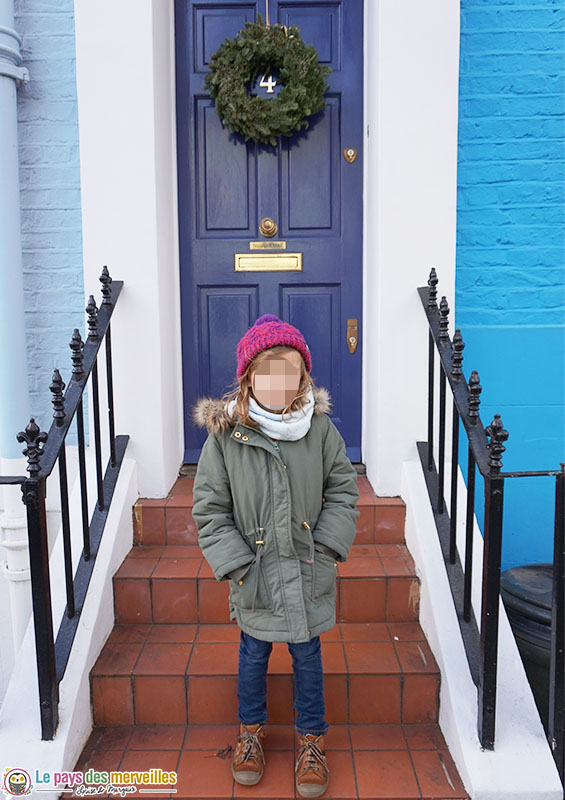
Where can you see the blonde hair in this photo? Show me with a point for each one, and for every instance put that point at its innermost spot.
(241, 390)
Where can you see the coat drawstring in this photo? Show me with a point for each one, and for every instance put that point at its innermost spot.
(310, 559)
(260, 546)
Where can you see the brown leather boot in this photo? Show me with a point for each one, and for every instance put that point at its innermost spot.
(312, 773)
(248, 761)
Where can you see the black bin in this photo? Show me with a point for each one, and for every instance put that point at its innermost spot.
(527, 595)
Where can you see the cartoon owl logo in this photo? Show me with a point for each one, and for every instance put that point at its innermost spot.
(17, 783)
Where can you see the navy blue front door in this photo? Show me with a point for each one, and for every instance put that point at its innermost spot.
(305, 184)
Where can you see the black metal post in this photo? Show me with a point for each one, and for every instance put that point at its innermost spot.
(97, 443)
(441, 448)
(469, 528)
(109, 382)
(494, 497)
(454, 475)
(556, 721)
(67, 550)
(431, 354)
(34, 498)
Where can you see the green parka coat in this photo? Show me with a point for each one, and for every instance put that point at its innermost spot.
(275, 525)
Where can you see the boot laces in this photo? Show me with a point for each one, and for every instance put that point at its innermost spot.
(313, 756)
(251, 744)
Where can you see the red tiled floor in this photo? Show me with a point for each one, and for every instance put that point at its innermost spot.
(132, 601)
(177, 568)
(385, 774)
(202, 774)
(437, 774)
(112, 700)
(159, 658)
(362, 600)
(164, 632)
(180, 526)
(117, 658)
(213, 658)
(277, 781)
(377, 737)
(157, 737)
(370, 657)
(364, 631)
(212, 700)
(174, 601)
(160, 700)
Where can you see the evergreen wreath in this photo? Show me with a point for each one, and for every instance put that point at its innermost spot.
(258, 50)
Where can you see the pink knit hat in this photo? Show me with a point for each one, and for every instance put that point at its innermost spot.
(269, 331)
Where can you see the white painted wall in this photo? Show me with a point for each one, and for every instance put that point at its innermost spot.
(125, 89)
(411, 91)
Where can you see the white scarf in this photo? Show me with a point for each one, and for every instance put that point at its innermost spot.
(295, 425)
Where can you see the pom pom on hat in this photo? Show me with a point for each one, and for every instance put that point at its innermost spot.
(270, 331)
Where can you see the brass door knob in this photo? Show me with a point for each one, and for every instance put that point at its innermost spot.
(268, 227)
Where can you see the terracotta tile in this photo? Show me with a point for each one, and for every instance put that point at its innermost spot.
(129, 632)
(210, 737)
(150, 502)
(213, 603)
(420, 698)
(114, 737)
(206, 571)
(117, 659)
(174, 601)
(361, 551)
(341, 774)
(180, 526)
(142, 760)
(132, 601)
(335, 695)
(371, 657)
(368, 567)
(202, 774)
(112, 701)
(280, 661)
(385, 774)
(104, 761)
(157, 737)
(165, 632)
(389, 525)
(218, 633)
(279, 737)
(182, 551)
(365, 525)
(337, 738)
(377, 737)
(437, 774)
(364, 631)
(277, 781)
(214, 658)
(333, 635)
(393, 550)
(160, 700)
(374, 698)
(424, 737)
(403, 599)
(416, 657)
(151, 523)
(136, 567)
(145, 551)
(163, 658)
(177, 568)
(362, 600)
(406, 631)
(212, 701)
(280, 708)
(333, 659)
(398, 567)
(182, 485)
(180, 501)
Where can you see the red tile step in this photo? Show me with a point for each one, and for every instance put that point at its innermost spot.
(381, 761)
(174, 583)
(169, 520)
(178, 674)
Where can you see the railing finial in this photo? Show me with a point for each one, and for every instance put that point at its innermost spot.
(497, 435)
(458, 346)
(33, 438)
(444, 320)
(92, 311)
(105, 280)
(76, 344)
(432, 293)
(474, 399)
(57, 386)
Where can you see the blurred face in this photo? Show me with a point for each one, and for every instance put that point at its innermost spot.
(276, 379)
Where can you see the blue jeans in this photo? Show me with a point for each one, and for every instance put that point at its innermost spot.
(308, 683)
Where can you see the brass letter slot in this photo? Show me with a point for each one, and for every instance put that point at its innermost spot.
(268, 262)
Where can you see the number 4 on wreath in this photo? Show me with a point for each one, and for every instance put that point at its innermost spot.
(268, 83)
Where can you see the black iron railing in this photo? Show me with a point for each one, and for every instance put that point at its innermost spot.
(52, 656)
(484, 452)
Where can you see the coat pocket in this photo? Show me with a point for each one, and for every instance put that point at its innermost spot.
(252, 591)
(324, 574)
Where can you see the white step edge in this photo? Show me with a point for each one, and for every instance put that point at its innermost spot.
(20, 726)
(521, 766)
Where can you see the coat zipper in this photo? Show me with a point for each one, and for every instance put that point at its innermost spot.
(260, 548)
(310, 559)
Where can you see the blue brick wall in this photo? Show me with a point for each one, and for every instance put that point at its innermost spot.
(510, 290)
(50, 196)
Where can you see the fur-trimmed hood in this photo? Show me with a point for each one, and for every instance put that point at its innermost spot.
(209, 412)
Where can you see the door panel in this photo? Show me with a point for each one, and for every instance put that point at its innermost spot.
(226, 186)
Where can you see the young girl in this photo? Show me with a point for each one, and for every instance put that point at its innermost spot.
(275, 505)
